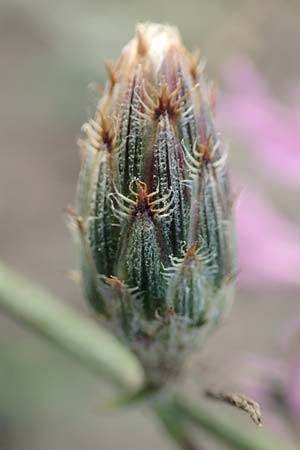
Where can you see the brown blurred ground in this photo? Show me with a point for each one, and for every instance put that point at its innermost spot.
(49, 53)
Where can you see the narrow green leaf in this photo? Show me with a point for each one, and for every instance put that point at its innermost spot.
(87, 342)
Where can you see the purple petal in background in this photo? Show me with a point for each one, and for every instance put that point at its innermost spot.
(268, 245)
(267, 128)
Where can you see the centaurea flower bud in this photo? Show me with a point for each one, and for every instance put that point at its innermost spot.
(154, 208)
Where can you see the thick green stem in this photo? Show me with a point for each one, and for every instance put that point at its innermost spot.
(173, 424)
(236, 436)
(78, 336)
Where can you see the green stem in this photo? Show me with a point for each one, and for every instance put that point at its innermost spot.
(76, 335)
(236, 436)
(173, 423)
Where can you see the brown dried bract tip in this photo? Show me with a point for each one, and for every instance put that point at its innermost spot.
(107, 132)
(79, 221)
(117, 284)
(195, 64)
(240, 401)
(142, 196)
(141, 44)
(144, 200)
(112, 74)
(191, 252)
(165, 101)
(205, 151)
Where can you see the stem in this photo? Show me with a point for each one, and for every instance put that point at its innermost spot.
(173, 424)
(236, 436)
(76, 335)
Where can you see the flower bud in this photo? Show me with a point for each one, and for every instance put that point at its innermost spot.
(154, 209)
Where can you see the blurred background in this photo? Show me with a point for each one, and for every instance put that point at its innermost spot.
(52, 59)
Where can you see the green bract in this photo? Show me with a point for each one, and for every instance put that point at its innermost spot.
(154, 209)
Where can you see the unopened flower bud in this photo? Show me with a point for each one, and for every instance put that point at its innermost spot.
(154, 209)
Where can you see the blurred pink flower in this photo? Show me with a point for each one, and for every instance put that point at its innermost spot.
(268, 244)
(268, 128)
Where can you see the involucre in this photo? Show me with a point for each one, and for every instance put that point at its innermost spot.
(154, 208)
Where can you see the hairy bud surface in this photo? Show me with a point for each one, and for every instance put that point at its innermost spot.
(154, 208)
